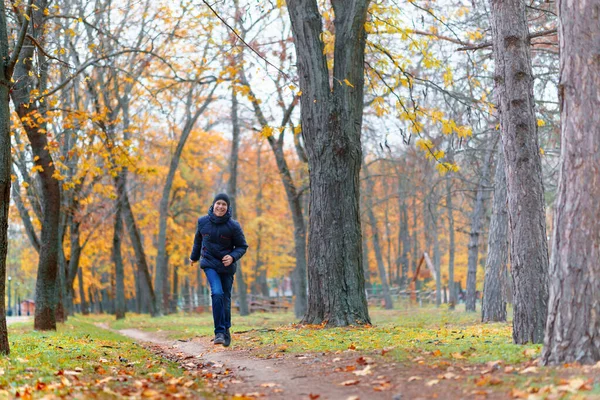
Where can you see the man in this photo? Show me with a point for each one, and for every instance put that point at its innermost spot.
(220, 242)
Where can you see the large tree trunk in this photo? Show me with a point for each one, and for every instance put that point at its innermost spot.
(573, 328)
(387, 299)
(494, 288)
(45, 288)
(529, 249)
(5, 170)
(474, 234)
(242, 289)
(331, 128)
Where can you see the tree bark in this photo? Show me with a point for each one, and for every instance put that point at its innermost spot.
(476, 227)
(573, 327)
(527, 227)
(331, 128)
(387, 299)
(494, 288)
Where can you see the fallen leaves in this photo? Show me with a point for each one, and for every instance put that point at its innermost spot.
(350, 382)
(363, 372)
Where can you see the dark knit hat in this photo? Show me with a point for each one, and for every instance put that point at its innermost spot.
(222, 196)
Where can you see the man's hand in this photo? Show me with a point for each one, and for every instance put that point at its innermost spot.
(227, 260)
(192, 262)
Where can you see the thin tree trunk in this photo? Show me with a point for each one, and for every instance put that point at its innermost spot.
(294, 202)
(376, 245)
(84, 306)
(175, 299)
(527, 226)
(494, 288)
(404, 235)
(140, 256)
(160, 278)
(117, 256)
(573, 328)
(365, 250)
(476, 227)
(242, 289)
(451, 245)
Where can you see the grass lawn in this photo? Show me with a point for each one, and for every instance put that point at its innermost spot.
(81, 360)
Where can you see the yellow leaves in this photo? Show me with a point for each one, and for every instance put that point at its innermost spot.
(347, 82)
(445, 167)
(379, 106)
(13, 177)
(37, 168)
(57, 175)
(267, 131)
(450, 126)
(475, 35)
(541, 122)
(297, 129)
(448, 77)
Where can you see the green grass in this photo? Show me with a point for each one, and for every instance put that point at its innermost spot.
(79, 359)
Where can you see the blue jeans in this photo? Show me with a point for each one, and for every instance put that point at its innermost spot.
(220, 293)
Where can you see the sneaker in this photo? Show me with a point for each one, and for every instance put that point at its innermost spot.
(219, 338)
(227, 338)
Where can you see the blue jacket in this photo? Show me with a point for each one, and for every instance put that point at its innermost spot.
(215, 238)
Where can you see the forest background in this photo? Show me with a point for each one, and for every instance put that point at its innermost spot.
(148, 109)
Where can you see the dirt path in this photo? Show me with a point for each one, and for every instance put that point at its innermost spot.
(238, 372)
(347, 375)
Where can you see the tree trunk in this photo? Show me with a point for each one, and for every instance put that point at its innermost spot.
(573, 328)
(162, 266)
(175, 298)
(294, 202)
(331, 128)
(140, 256)
(365, 250)
(451, 245)
(527, 226)
(476, 227)
(242, 289)
(494, 288)
(5, 170)
(376, 245)
(436, 252)
(84, 306)
(404, 236)
(45, 288)
(117, 256)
